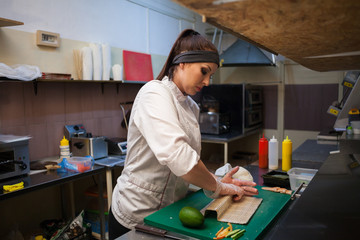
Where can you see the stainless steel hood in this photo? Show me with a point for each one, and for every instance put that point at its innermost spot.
(242, 53)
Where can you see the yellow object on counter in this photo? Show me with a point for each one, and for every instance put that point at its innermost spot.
(14, 187)
(64, 142)
(286, 154)
(40, 237)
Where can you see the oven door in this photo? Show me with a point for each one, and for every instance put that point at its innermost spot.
(253, 97)
(253, 117)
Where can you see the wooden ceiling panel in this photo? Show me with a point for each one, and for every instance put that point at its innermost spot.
(296, 29)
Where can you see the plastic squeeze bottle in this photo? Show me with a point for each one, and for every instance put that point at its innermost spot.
(286, 154)
(263, 152)
(64, 149)
(273, 153)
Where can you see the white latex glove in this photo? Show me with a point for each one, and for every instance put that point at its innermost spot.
(230, 186)
(223, 189)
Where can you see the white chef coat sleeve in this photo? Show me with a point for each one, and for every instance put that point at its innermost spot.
(157, 119)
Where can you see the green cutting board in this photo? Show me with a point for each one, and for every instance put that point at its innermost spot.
(168, 217)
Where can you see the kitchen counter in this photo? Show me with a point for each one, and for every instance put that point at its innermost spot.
(43, 179)
(256, 173)
(327, 209)
(39, 179)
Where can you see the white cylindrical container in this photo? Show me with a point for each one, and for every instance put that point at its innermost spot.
(117, 71)
(273, 153)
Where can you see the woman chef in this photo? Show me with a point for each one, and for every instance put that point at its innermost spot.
(164, 139)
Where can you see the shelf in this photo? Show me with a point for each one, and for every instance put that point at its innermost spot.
(8, 22)
(4, 79)
(102, 82)
(77, 81)
(90, 81)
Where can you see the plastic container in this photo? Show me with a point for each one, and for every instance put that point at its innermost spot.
(263, 152)
(78, 164)
(273, 153)
(286, 154)
(300, 175)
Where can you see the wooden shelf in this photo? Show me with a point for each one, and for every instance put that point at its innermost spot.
(8, 22)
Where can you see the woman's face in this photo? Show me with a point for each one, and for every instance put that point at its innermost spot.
(190, 78)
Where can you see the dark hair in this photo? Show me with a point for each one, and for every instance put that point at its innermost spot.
(188, 40)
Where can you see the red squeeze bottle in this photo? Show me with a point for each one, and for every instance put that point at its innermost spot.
(263, 152)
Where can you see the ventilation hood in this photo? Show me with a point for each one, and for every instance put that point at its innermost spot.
(242, 53)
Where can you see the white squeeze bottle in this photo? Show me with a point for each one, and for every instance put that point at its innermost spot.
(273, 154)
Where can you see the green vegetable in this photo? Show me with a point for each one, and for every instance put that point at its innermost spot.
(233, 232)
(191, 217)
(238, 234)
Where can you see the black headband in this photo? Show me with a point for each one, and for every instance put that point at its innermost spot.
(196, 56)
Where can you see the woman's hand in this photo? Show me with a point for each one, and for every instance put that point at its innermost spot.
(247, 186)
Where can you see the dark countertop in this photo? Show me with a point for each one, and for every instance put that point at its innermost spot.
(44, 179)
(329, 208)
(314, 151)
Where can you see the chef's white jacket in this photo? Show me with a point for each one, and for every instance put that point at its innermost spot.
(164, 142)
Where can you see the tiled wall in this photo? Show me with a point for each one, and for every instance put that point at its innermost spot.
(44, 115)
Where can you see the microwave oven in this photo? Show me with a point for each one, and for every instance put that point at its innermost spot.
(14, 159)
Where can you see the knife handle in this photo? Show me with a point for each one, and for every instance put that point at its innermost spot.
(151, 230)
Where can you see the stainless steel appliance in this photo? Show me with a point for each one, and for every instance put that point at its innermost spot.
(214, 123)
(253, 107)
(253, 95)
(84, 144)
(243, 102)
(253, 116)
(14, 158)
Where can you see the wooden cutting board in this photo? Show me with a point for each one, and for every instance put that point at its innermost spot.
(137, 66)
(168, 219)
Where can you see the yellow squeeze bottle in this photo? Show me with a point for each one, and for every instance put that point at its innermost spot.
(286, 154)
(64, 149)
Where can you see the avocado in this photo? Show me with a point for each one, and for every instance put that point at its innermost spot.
(191, 217)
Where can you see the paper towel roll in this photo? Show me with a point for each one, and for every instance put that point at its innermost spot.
(117, 71)
(87, 63)
(97, 60)
(106, 53)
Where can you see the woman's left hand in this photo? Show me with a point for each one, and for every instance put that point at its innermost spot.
(248, 186)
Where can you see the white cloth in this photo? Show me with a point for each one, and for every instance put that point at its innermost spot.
(20, 72)
(87, 63)
(97, 60)
(106, 56)
(164, 142)
(220, 172)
